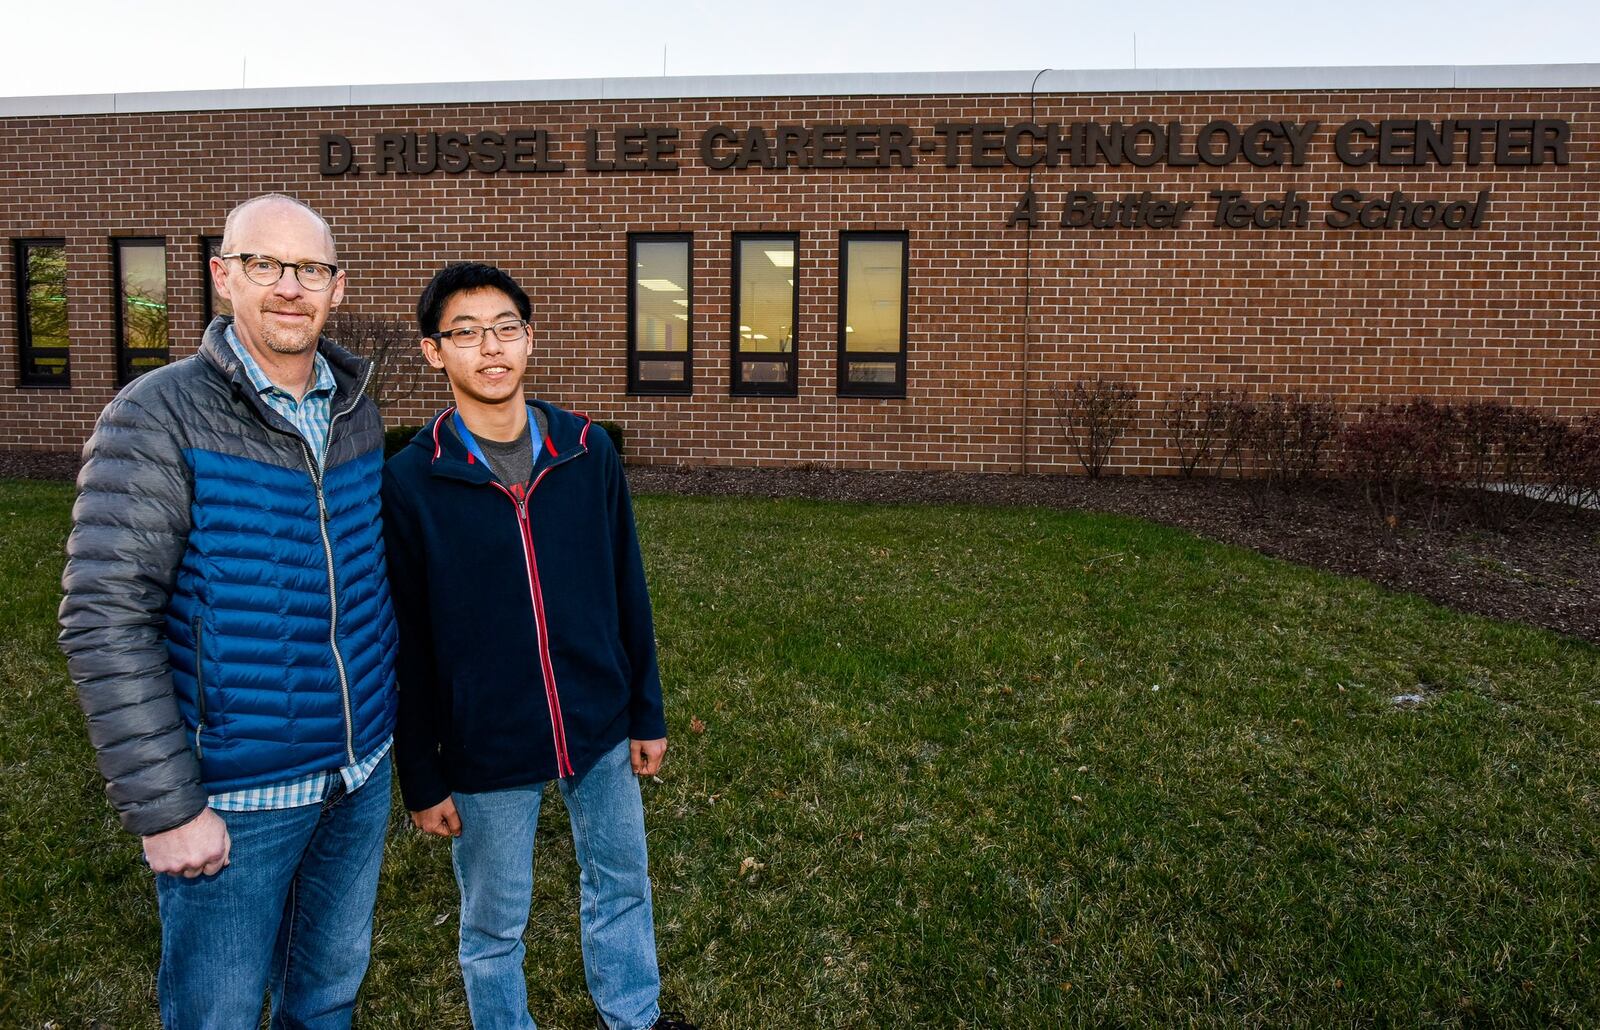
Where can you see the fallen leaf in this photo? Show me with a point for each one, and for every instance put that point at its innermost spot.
(750, 865)
(696, 725)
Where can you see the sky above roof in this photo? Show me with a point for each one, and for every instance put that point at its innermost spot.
(78, 46)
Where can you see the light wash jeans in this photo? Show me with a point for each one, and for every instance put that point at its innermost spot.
(291, 912)
(493, 861)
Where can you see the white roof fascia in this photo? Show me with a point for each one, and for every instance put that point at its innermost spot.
(1142, 80)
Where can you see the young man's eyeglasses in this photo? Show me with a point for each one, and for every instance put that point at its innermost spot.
(266, 271)
(509, 331)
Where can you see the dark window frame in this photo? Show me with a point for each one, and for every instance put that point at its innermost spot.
(737, 387)
(657, 387)
(124, 354)
(205, 271)
(25, 348)
(896, 389)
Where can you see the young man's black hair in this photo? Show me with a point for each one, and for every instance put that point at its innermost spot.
(461, 278)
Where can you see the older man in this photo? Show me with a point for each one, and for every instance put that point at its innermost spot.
(227, 622)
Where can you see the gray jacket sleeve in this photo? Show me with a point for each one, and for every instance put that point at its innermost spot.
(129, 529)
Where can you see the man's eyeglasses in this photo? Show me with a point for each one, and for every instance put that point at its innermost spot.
(262, 270)
(509, 331)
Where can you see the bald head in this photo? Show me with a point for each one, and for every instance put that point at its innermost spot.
(271, 206)
(276, 316)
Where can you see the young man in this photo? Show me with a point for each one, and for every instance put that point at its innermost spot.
(227, 624)
(527, 654)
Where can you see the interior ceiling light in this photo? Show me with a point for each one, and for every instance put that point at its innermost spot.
(661, 285)
(781, 258)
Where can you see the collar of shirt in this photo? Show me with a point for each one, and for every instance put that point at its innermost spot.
(321, 385)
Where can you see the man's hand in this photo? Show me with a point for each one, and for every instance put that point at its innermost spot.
(646, 755)
(198, 847)
(441, 820)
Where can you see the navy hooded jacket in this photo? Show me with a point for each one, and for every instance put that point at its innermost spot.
(527, 649)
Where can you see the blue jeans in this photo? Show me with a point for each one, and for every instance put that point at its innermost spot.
(493, 860)
(291, 912)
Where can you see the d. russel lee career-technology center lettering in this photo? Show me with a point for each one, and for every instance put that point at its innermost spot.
(1266, 143)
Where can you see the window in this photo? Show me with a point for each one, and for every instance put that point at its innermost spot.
(766, 302)
(872, 314)
(42, 312)
(216, 303)
(660, 313)
(141, 273)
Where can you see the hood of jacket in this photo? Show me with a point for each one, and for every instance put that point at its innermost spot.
(567, 437)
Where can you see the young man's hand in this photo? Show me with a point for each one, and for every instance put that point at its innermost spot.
(441, 820)
(646, 755)
(198, 847)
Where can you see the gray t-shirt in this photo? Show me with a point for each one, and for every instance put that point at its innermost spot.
(512, 461)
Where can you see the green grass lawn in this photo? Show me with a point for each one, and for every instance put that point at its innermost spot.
(972, 768)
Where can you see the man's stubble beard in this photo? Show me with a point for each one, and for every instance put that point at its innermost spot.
(280, 342)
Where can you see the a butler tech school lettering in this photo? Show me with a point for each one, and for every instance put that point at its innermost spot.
(884, 271)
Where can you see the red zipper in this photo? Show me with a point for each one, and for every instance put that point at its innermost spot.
(557, 728)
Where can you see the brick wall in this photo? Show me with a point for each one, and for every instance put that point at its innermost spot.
(1510, 311)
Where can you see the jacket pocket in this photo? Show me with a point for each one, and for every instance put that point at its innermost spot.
(199, 687)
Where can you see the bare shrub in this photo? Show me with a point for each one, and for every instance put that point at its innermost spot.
(1508, 456)
(391, 347)
(1094, 414)
(1569, 461)
(1403, 456)
(1196, 422)
(1238, 432)
(1587, 469)
(1291, 436)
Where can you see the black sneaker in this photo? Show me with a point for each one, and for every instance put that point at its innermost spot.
(673, 1021)
(665, 1021)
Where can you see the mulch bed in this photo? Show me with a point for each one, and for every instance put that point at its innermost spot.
(16, 464)
(1541, 567)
